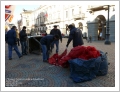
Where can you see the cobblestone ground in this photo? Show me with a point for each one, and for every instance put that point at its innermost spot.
(30, 71)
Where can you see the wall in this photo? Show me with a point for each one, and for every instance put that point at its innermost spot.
(112, 30)
(92, 30)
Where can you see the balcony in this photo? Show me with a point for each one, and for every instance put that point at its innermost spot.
(36, 25)
(96, 7)
(79, 16)
(46, 22)
(53, 21)
(42, 23)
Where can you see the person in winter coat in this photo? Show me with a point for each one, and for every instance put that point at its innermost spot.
(90, 39)
(75, 35)
(12, 42)
(45, 44)
(56, 31)
(6, 30)
(23, 40)
(18, 38)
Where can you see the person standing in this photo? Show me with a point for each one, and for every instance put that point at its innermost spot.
(6, 30)
(56, 31)
(12, 43)
(90, 39)
(75, 35)
(45, 45)
(18, 38)
(100, 35)
(23, 40)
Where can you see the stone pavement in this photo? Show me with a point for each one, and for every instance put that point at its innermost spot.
(30, 71)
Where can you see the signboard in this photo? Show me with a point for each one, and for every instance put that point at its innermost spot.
(9, 10)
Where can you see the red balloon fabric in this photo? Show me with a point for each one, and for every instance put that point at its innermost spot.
(53, 59)
(56, 58)
(83, 52)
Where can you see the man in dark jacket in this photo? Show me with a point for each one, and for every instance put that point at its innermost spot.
(56, 31)
(75, 35)
(45, 44)
(23, 40)
(12, 42)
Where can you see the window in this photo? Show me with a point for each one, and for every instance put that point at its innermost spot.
(39, 20)
(44, 28)
(72, 11)
(42, 19)
(50, 7)
(49, 16)
(66, 14)
(80, 10)
(40, 28)
(54, 16)
(113, 8)
(27, 22)
(58, 15)
(53, 7)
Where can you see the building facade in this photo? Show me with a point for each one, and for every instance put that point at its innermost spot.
(26, 20)
(97, 23)
(62, 16)
(90, 19)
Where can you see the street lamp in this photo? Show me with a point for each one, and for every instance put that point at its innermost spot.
(107, 42)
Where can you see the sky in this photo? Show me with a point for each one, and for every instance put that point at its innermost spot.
(19, 9)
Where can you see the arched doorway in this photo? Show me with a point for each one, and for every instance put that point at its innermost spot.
(80, 26)
(101, 27)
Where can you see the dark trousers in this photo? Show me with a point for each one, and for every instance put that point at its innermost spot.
(24, 47)
(89, 40)
(10, 47)
(18, 41)
(57, 45)
(45, 52)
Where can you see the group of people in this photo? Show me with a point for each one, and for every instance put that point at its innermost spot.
(13, 38)
(47, 42)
